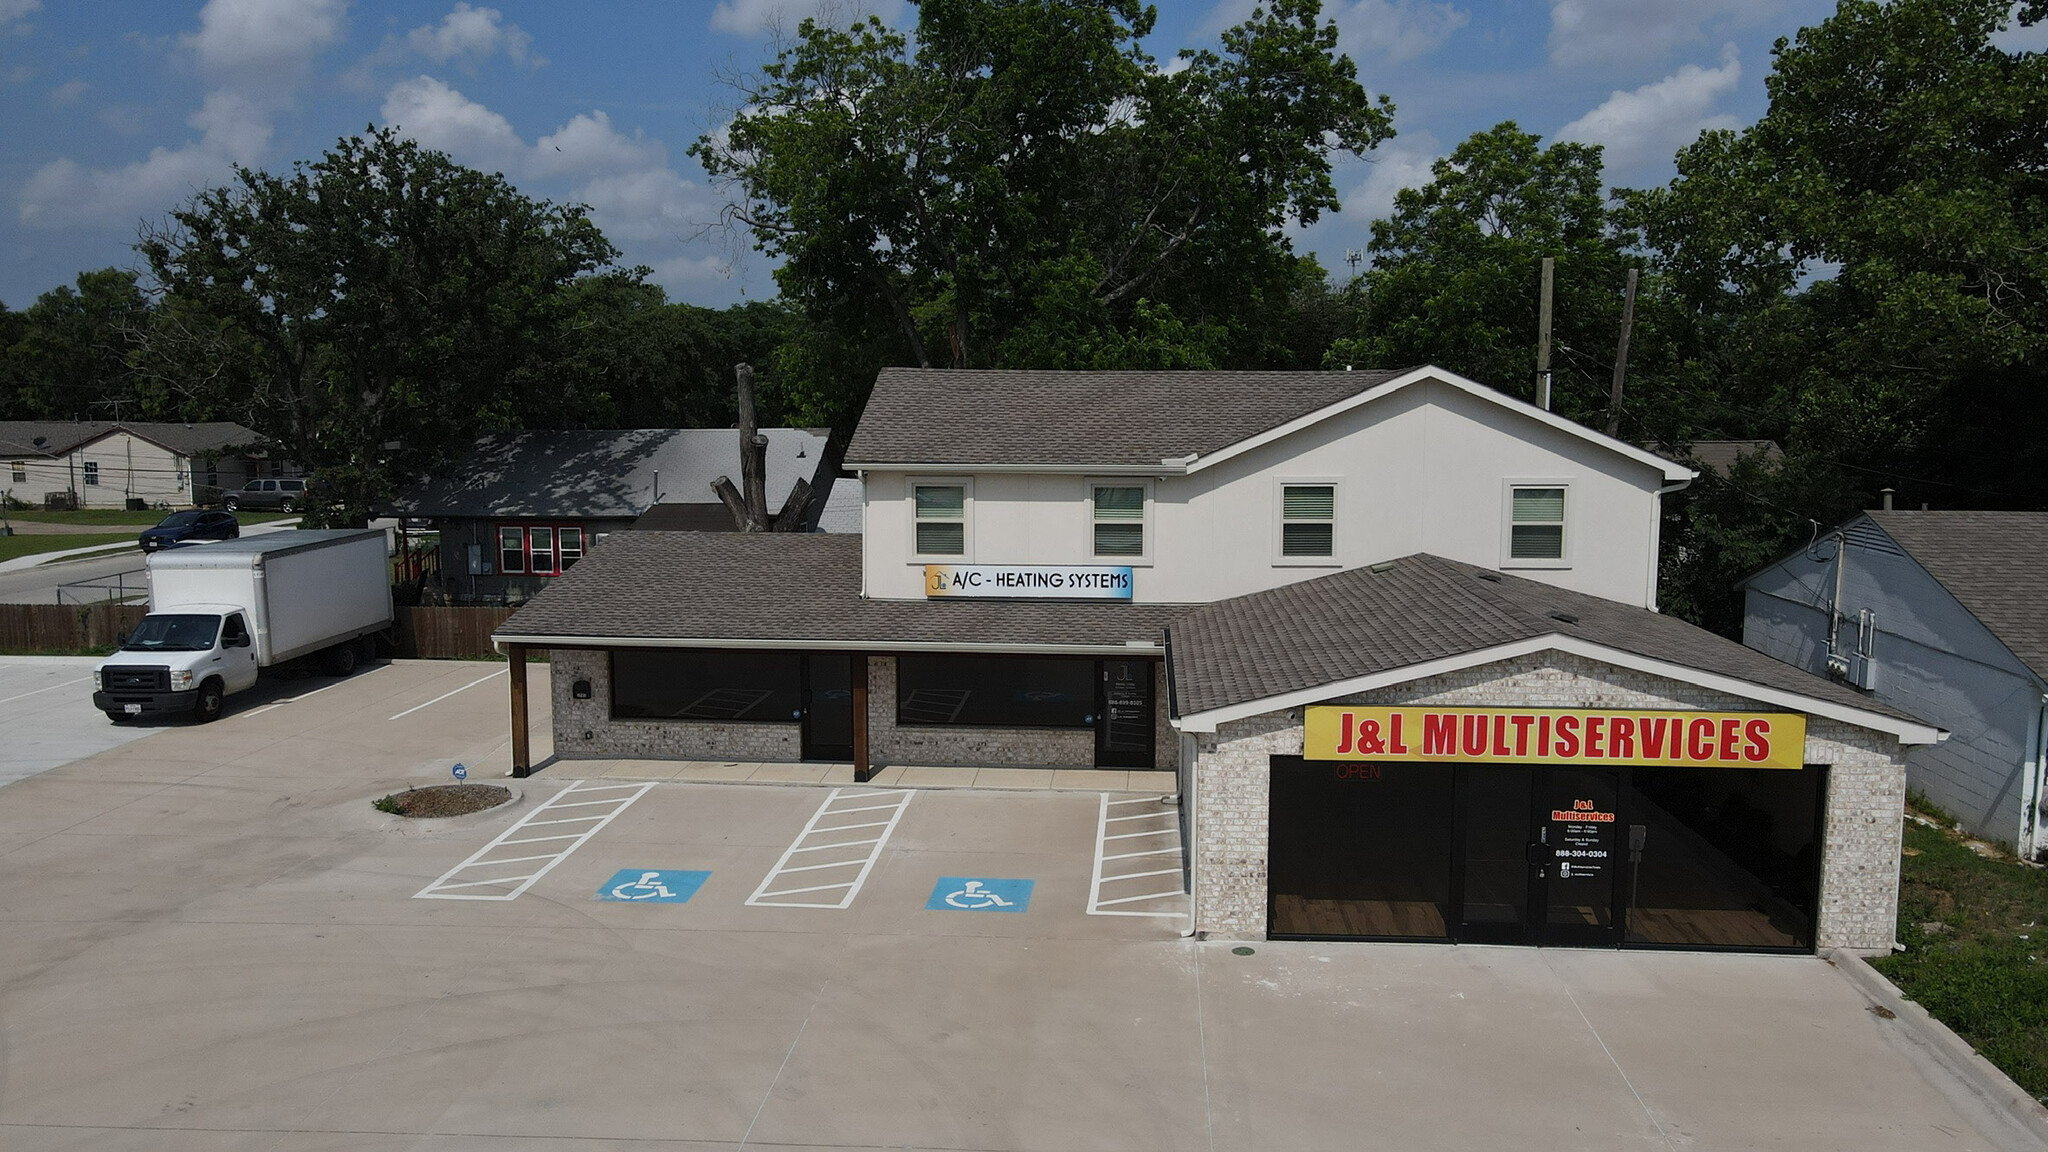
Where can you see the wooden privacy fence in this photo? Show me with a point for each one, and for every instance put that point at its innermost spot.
(433, 633)
(448, 633)
(65, 627)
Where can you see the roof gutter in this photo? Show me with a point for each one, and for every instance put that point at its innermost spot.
(1173, 467)
(1127, 648)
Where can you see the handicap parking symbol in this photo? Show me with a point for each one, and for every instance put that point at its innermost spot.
(652, 886)
(980, 894)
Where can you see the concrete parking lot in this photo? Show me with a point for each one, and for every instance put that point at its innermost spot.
(209, 940)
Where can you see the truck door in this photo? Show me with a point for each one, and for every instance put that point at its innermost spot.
(237, 653)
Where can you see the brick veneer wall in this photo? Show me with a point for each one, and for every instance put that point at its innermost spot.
(888, 743)
(1861, 838)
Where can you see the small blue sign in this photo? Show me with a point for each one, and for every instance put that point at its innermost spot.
(980, 894)
(461, 773)
(652, 886)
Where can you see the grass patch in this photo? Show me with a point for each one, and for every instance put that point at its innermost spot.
(15, 547)
(115, 517)
(1974, 938)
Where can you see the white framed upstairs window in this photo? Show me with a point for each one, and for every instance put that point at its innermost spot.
(1117, 510)
(939, 518)
(1535, 535)
(1308, 522)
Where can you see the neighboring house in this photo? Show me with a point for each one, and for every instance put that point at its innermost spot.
(1388, 637)
(1943, 615)
(524, 507)
(98, 464)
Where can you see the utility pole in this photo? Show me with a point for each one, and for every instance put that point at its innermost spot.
(1543, 339)
(1628, 319)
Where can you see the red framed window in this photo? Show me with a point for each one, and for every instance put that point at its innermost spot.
(539, 549)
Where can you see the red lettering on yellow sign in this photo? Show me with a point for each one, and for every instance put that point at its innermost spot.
(1555, 735)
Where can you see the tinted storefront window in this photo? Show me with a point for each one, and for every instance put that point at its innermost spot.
(995, 692)
(1723, 857)
(656, 684)
(1360, 850)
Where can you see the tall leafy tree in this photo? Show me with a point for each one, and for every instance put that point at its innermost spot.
(68, 358)
(1028, 188)
(373, 310)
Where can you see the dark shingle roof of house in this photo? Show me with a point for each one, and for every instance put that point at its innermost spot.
(61, 436)
(1423, 608)
(975, 416)
(1994, 563)
(793, 588)
(1719, 456)
(609, 473)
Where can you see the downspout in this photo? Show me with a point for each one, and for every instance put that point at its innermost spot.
(865, 540)
(2029, 842)
(1657, 539)
(1835, 605)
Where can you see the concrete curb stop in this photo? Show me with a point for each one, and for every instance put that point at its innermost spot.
(2023, 1118)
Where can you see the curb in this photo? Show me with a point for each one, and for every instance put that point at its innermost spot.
(2023, 1117)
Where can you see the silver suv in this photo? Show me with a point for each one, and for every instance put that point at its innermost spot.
(286, 495)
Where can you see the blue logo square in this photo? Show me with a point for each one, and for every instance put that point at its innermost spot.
(652, 886)
(980, 894)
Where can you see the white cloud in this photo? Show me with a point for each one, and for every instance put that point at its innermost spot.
(68, 93)
(1393, 167)
(472, 35)
(1390, 30)
(64, 193)
(264, 45)
(254, 54)
(1627, 33)
(1652, 122)
(635, 196)
(760, 17)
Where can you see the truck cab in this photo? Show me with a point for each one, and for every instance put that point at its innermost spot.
(175, 662)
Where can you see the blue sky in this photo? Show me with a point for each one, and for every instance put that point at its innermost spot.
(119, 110)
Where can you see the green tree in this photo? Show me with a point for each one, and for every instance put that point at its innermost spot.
(1028, 188)
(1456, 271)
(68, 358)
(374, 310)
(1872, 254)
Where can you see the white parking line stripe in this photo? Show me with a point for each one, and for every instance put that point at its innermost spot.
(586, 803)
(766, 896)
(854, 827)
(445, 695)
(1097, 906)
(516, 859)
(51, 688)
(600, 788)
(442, 889)
(538, 839)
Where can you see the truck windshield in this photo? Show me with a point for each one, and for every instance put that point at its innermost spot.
(173, 634)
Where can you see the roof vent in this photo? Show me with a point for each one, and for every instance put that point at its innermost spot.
(1566, 617)
(1383, 566)
(1483, 574)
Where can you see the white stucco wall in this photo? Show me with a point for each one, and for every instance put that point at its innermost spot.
(1426, 469)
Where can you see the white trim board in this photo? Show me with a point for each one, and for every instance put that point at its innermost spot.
(871, 647)
(1907, 731)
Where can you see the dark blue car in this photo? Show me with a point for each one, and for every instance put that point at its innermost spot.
(190, 527)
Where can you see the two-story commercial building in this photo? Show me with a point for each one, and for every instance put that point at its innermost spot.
(1390, 636)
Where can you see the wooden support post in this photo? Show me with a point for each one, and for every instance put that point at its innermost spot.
(863, 771)
(522, 764)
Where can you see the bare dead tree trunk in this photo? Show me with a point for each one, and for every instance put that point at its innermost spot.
(753, 455)
(791, 517)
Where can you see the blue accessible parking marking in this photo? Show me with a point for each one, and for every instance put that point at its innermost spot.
(652, 886)
(980, 894)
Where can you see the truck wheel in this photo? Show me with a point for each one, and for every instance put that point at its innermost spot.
(231, 504)
(212, 700)
(341, 659)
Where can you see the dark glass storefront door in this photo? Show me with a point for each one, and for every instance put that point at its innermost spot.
(1538, 862)
(828, 707)
(1124, 714)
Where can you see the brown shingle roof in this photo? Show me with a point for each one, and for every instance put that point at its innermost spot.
(1422, 608)
(975, 416)
(793, 588)
(1994, 563)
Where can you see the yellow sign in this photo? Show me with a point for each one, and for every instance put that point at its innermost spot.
(1557, 736)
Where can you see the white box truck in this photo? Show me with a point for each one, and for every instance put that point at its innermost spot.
(221, 614)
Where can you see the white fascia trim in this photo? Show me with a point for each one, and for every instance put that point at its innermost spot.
(1163, 468)
(1671, 470)
(1907, 732)
(883, 647)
